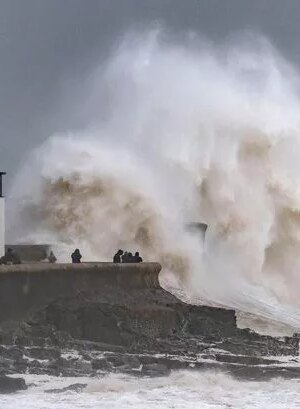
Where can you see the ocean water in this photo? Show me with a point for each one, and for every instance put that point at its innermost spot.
(183, 389)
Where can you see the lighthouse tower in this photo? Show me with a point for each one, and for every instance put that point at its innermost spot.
(2, 217)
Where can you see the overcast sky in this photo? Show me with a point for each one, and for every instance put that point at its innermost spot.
(46, 44)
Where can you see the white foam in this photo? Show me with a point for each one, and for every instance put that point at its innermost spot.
(183, 389)
(185, 133)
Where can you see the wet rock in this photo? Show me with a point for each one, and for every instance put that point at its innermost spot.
(210, 321)
(22, 365)
(145, 331)
(41, 371)
(87, 345)
(121, 363)
(76, 387)
(33, 367)
(71, 367)
(246, 360)
(86, 356)
(14, 353)
(43, 353)
(208, 356)
(10, 385)
(6, 363)
(115, 360)
(101, 364)
(153, 370)
(131, 361)
(169, 362)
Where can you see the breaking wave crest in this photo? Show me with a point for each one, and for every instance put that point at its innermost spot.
(180, 133)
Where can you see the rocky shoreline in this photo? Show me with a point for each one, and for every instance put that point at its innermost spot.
(140, 332)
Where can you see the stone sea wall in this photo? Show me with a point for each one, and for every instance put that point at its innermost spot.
(27, 287)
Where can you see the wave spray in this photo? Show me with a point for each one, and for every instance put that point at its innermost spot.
(180, 133)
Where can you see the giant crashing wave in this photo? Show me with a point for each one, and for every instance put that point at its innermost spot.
(187, 132)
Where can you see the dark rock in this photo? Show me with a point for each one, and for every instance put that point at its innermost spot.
(208, 320)
(6, 363)
(14, 353)
(87, 345)
(246, 360)
(101, 364)
(153, 370)
(115, 360)
(169, 362)
(144, 330)
(35, 364)
(86, 356)
(10, 385)
(122, 363)
(42, 371)
(71, 367)
(76, 387)
(43, 353)
(208, 356)
(22, 365)
(131, 361)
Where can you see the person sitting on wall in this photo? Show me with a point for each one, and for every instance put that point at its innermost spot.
(51, 258)
(10, 257)
(137, 258)
(76, 257)
(125, 257)
(117, 256)
(130, 258)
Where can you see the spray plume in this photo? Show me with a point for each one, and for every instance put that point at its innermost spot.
(182, 132)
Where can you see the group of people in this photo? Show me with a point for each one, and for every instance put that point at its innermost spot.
(119, 257)
(127, 257)
(12, 257)
(75, 257)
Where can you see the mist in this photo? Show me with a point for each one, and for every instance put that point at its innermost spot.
(48, 48)
(179, 131)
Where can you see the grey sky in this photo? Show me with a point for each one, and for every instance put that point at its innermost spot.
(47, 43)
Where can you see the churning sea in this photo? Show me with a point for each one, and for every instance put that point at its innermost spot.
(182, 389)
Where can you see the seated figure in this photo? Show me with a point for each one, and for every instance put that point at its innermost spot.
(51, 258)
(76, 257)
(117, 256)
(125, 257)
(130, 258)
(137, 258)
(10, 257)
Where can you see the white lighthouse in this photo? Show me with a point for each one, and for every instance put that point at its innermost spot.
(2, 217)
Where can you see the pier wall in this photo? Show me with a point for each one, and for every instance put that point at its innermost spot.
(26, 287)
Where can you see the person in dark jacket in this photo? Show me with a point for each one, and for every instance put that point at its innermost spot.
(130, 258)
(76, 257)
(10, 257)
(137, 258)
(51, 258)
(118, 256)
(125, 257)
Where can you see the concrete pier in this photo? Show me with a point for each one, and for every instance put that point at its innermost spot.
(27, 287)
